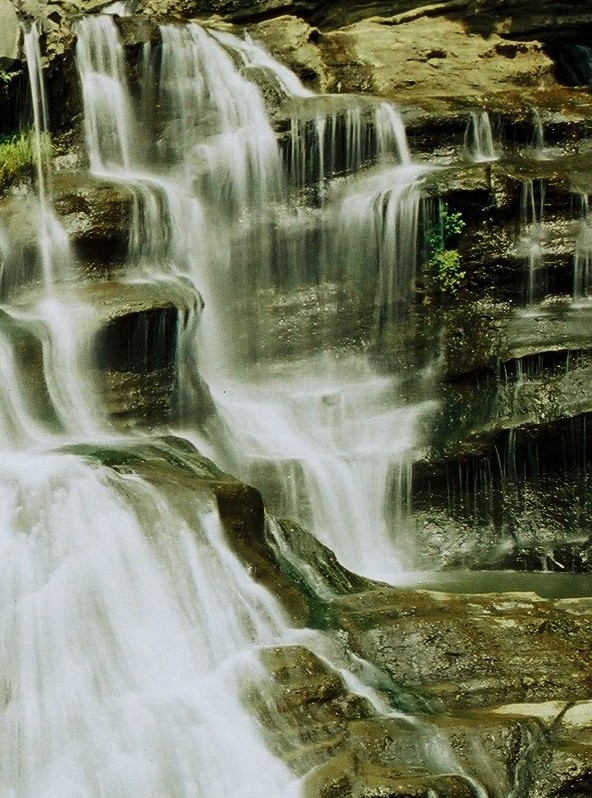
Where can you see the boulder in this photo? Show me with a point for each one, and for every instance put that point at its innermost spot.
(295, 44)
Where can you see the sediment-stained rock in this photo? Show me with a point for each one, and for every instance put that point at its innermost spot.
(472, 650)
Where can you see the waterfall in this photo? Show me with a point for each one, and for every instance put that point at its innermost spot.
(377, 222)
(215, 126)
(479, 142)
(108, 114)
(58, 324)
(53, 249)
(126, 634)
(219, 171)
(538, 148)
(583, 253)
(532, 238)
(129, 630)
(341, 141)
(252, 55)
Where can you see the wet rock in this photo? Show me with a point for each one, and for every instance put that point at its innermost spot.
(179, 471)
(97, 216)
(312, 566)
(288, 324)
(472, 650)
(136, 345)
(560, 766)
(515, 498)
(313, 721)
(134, 399)
(294, 43)
(343, 777)
(27, 351)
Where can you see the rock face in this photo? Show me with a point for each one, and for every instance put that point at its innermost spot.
(514, 378)
(496, 686)
(426, 59)
(475, 650)
(9, 34)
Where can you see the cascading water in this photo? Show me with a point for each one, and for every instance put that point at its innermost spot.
(538, 148)
(151, 624)
(221, 170)
(122, 650)
(479, 143)
(128, 628)
(533, 235)
(34, 264)
(53, 248)
(583, 253)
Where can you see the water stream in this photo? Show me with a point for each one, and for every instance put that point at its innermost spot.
(220, 173)
(479, 141)
(129, 630)
(533, 236)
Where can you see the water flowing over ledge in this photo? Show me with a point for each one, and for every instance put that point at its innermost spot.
(121, 547)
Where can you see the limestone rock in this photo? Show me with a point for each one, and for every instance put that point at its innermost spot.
(234, 10)
(294, 43)
(10, 33)
(432, 57)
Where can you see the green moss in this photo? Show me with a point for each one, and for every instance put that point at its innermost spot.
(444, 261)
(18, 154)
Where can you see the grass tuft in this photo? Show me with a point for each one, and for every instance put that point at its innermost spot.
(18, 155)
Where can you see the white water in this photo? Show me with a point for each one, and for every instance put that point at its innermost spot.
(208, 212)
(252, 55)
(531, 244)
(53, 247)
(479, 142)
(325, 423)
(126, 631)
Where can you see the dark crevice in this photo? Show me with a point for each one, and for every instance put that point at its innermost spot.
(573, 63)
(138, 342)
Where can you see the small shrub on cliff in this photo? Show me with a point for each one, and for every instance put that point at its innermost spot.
(444, 261)
(18, 153)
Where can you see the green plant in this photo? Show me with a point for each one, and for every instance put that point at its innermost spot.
(444, 261)
(6, 76)
(18, 153)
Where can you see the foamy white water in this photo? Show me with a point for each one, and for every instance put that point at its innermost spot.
(479, 141)
(332, 432)
(126, 632)
(221, 191)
